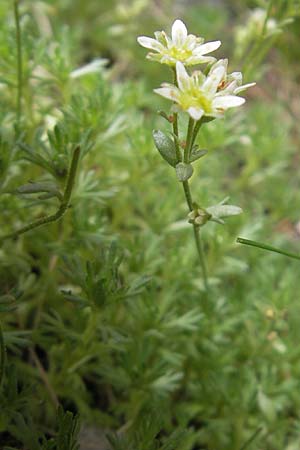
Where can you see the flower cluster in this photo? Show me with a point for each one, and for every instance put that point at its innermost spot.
(196, 93)
(181, 46)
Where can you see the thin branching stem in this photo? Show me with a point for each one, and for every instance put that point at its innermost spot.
(198, 241)
(189, 140)
(259, 46)
(65, 203)
(175, 131)
(188, 195)
(192, 132)
(44, 377)
(189, 200)
(19, 64)
(270, 248)
(251, 439)
(2, 355)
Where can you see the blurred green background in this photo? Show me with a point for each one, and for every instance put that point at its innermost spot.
(135, 346)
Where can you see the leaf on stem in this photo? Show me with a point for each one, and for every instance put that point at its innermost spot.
(165, 146)
(184, 171)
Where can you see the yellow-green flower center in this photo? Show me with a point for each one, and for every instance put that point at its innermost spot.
(196, 98)
(180, 54)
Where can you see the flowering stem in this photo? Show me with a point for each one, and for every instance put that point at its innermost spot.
(189, 139)
(191, 136)
(175, 131)
(19, 64)
(199, 246)
(197, 236)
(267, 247)
(196, 131)
(259, 46)
(268, 14)
(188, 195)
(65, 203)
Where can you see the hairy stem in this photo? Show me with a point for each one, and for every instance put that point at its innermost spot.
(19, 64)
(65, 203)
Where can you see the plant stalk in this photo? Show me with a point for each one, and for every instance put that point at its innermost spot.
(197, 235)
(65, 203)
(192, 132)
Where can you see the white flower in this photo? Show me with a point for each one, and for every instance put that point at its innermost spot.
(183, 47)
(199, 95)
(253, 28)
(231, 84)
(92, 67)
(257, 19)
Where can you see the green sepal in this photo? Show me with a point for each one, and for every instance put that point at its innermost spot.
(164, 115)
(165, 146)
(207, 119)
(184, 171)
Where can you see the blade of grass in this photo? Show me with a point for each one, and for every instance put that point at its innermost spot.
(267, 247)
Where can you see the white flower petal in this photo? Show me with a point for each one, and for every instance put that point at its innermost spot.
(147, 42)
(191, 42)
(219, 63)
(179, 32)
(183, 78)
(170, 93)
(208, 47)
(243, 88)
(195, 113)
(237, 76)
(228, 101)
(199, 59)
(213, 80)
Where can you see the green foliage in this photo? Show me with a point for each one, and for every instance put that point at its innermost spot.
(103, 310)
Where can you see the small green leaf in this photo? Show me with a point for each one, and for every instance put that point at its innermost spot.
(165, 146)
(219, 211)
(196, 153)
(184, 171)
